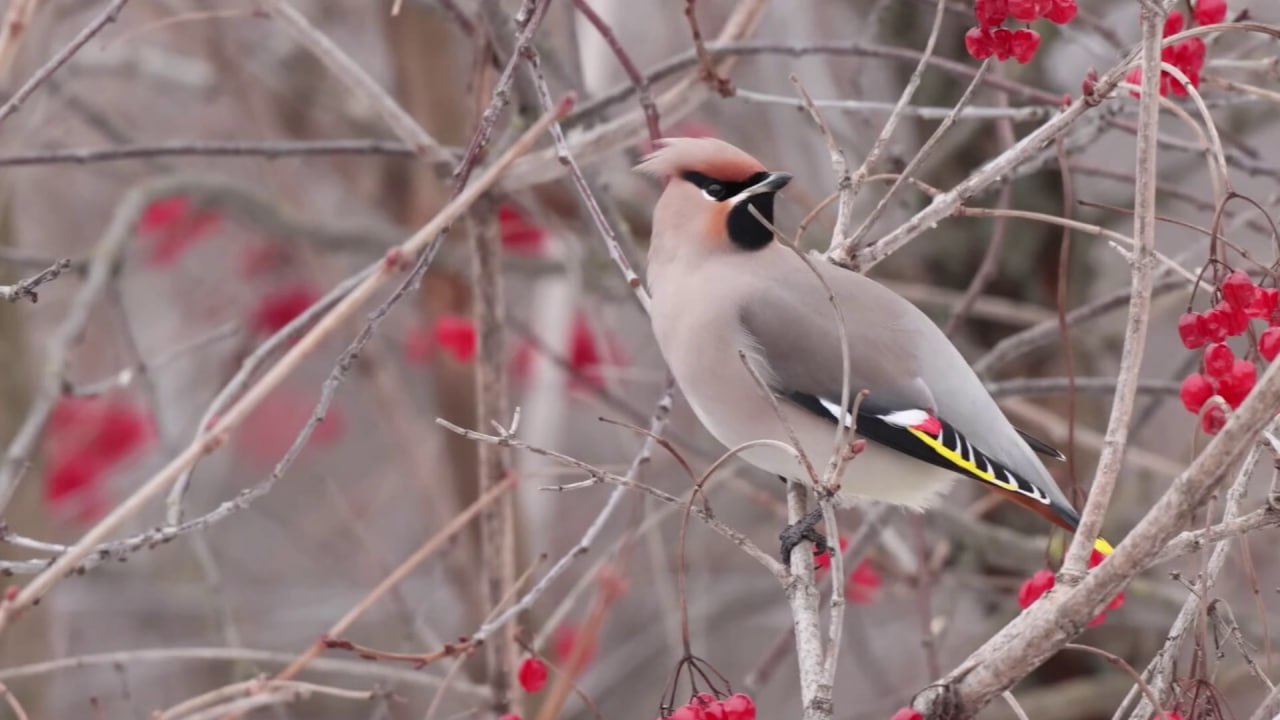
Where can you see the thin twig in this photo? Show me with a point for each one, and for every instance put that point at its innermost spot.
(25, 289)
(267, 149)
(1135, 334)
(95, 26)
(891, 124)
(628, 66)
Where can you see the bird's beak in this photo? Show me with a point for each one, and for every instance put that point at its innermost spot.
(771, 184)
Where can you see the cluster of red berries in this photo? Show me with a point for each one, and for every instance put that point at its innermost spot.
(991, 38)
(1043, 580)
(1223, 374)
(705, 706)
(1188, 54)
(88, 439)
(171, 226)
(907, 713)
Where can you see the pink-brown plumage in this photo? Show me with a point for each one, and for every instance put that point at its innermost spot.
(709, 156)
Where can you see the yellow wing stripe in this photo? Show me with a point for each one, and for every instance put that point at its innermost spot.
(959, 461)
(955, 458)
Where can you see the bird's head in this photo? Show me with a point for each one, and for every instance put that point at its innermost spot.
(711, 189)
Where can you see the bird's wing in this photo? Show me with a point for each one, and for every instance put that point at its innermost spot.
(919, 434)
(903, 360)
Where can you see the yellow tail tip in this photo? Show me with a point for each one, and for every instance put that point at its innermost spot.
(1103, 546)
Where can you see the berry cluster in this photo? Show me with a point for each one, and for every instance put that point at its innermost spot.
(991, 38)
(1187, 54)
(170, 226)
(1042, 581)
(88, 439)
(907, 713)
(1222, 373)
(279, 307)
(705, 706)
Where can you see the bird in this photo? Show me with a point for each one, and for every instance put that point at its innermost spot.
(726, 293)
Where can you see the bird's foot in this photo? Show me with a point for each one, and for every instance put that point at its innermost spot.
(800, 531)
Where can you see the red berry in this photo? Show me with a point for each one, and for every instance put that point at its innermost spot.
(991, 13)
(1235, 387)
(1062, 11)
(1002, 41)
(907, 713)
(1024, 44)
(280, 308)
(1195, 392)
(457, 334)
(863, 584)
(532, 675)
(1210, 12)
(1264, 303)
(712, 707)
(1190, 331)
(1025, 10)
(1213, 324)
(1236, 319)
(1173, 23)
(1218, 360)
(979, 43)
(740, 707)
(510, 716)
(1269, 343)
(1237, 289)
(1213, 419)
(517, 233)
(689, 712)
(1035, 586)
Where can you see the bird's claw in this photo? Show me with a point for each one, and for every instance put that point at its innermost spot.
(800, 531)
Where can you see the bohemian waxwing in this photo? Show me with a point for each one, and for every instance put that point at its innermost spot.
(721, 283)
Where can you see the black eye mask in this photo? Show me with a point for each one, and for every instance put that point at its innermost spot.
(721, 190)
(743, 227)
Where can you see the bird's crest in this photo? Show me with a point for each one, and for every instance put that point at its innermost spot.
(709, 156)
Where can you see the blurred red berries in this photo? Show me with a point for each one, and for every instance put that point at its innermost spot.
(863, 585)
(88, 439)
(270, 429)
(279, 307)
(171, 226)
(456, 335)
(990, 38)
(564, 643)
(518, 234)
(532, 675)
(906, 713)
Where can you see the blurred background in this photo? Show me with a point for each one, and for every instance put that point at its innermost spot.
(244, 243)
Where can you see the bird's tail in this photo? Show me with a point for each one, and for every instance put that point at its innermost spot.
(1067, 518)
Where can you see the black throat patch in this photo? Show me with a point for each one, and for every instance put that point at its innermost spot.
(744, 229)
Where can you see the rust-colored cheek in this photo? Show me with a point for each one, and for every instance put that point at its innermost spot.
(715, 230)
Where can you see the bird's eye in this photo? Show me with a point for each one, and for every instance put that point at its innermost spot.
(715, 191)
